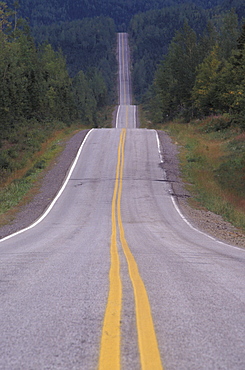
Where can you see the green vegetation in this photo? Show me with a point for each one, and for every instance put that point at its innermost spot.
(23, 183)
(46, 12)
(213, 165)
(38, 96)
(198, 96)
(210, 78)
(200, 74)
(88, 46)
(188, 71)
(150, 35)
(187, 65)
(159, 36)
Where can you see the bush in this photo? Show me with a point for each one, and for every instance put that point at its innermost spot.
(239, 121)
(231, 174)
(219, 123)
(4, 161)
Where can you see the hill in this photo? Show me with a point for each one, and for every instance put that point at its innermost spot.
(46, 12)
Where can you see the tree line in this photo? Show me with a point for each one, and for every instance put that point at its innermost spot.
(35, 82)
(38, 93)
(67, 71)
(202, 76)
(47, 12)
(188, 61)
(150, 35)
(88, 45)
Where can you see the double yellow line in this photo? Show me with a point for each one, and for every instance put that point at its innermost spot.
(111, 334)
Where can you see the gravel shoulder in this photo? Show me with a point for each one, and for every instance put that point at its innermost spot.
(52, 181)
(205, 221)
(50, 185)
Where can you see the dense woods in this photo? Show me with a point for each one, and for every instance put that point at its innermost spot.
(89, 45)
(188, 66)
(46, 12)
(59, 64)
(38, 94)
(189, 62)
(211, 78)
(151, 34)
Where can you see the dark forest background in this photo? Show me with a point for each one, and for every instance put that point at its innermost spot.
(58, 63)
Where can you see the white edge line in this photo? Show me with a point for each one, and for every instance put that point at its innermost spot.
(159, 147)
(181, 214)
(135, 116)
(117, 115)
(56, 197)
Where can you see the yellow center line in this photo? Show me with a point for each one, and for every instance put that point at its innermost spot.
(110, 341)
(148, 346)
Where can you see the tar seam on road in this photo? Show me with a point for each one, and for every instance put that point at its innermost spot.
(181, 214)
(110, 345)
(41, 218)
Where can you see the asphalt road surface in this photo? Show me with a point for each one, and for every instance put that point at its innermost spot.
(113, 276)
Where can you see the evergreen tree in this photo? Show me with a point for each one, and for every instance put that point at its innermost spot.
(58, 100)
(228, 34)
(203, 94)
(84, 98)
(241, 39)
(176, 75)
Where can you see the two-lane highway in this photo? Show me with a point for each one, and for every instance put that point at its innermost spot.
(125, 96)
(114, 276)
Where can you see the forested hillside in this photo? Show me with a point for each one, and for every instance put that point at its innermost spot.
(188, 67)
(210, 77)
(37, 94)
(46, 12)
(150, 36)
(58, 66)
(63, 68)
(87, 44)
(238, 5)
(84, 30)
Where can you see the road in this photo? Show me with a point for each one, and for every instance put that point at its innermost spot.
(113, 276)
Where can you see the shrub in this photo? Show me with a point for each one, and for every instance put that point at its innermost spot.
(219, 123)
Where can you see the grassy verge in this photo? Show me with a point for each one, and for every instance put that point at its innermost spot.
(27, 154)
(21, 184)
(212, 159)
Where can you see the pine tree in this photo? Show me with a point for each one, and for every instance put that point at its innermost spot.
(241, 39)
(203, 93)
(176, 75)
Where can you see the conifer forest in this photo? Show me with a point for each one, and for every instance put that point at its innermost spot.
(58, 64)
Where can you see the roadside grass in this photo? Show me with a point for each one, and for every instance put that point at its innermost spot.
(212, 160)
(25, 156)
(20, 144)
(23, 183)
(144, 121)
(104, 116)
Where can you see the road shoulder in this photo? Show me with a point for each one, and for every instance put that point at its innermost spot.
(50, 185)
(206, 221)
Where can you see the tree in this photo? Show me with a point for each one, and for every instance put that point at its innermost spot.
(241, 39)
(220, 82)
(5, 19)
(57, 99)
(228, 34)
(175, 76)
(203, 93)
(84, 98)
